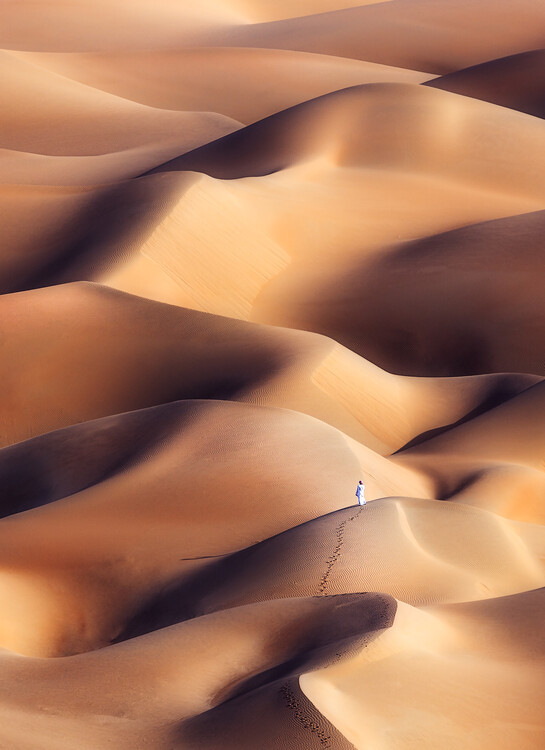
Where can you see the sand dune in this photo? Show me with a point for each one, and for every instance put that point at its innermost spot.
(496, 462)
(521, 443)
(104, 449)
(83, 121)
(172, 497)
(295, 243)
(155, 354)
(26, 168)
(310, 632)
(252, 253)
(245, 84)
(423, 563)
(475, 644)
(304, 262)
(321, 171)
(433, 37)
(485, 463)
(58, 233)
(517, 82)
(267, 10)
(405, 125)
(494, 267)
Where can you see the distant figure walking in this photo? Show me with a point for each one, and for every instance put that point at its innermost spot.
(360, 493)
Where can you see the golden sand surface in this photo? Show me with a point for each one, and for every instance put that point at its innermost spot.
(254, 251)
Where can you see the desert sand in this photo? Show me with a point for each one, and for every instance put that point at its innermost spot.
(253, 252)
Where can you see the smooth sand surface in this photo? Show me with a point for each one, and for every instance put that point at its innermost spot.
(245, 84)
(252, 252)
(516, 81)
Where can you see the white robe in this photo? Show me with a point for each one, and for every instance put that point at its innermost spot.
(360, 494)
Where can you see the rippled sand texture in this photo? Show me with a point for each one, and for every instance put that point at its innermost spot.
(253, 251)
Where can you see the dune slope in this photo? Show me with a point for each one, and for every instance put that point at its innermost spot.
(517, 82)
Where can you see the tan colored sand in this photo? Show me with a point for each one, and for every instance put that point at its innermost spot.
(435, 37)
(78, 120)
(196, 355)
(245, 84)
(516, 81)
(251, 253)
(492, 653)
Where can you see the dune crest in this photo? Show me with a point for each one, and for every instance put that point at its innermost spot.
(516, 81)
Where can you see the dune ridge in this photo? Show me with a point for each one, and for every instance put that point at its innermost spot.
(516, 81)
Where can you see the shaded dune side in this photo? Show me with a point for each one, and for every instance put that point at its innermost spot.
(152, 236)
(419, 326)
(517, 82)
(52, 466)
(157, 353)
(208, 478)
(249, 666)
(54, 235)
(261, 711)
(419, 551)
(189, 487)
(495, 462)
(278, 715)
(425, 134)
(470, 675)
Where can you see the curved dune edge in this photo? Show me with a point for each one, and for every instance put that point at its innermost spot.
(516, 81)
(467, 640)
(494, 266)
(253, 82)
(290, 369)
(78, 120)
(251, 672)
(332, 122)
(171, 252)
(447, 41)
(133, 584)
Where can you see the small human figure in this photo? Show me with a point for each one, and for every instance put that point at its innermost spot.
(360, 493)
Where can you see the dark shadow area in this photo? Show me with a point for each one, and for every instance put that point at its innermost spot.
(52, 466)
(465, 302)
(352, 620)
(274, 143)
(194, 595)
(501, 390)
(447, 490)
(516, 82)
(269, 708)
(115, 222)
